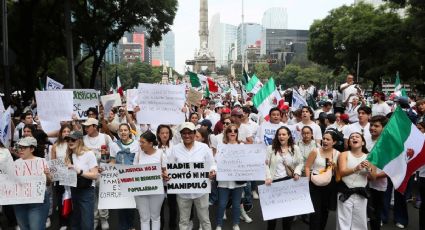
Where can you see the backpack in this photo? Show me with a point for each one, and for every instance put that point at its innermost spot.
(124, 156)
(339, 145)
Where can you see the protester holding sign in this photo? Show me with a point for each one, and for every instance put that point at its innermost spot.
(59, 149)
(149, 206)
(164, 136)
(192, 151)
(319, 162)
(233, 189)
(6, 159)
(284, 162)
(32, 216)
(83, 161)
(352, 195)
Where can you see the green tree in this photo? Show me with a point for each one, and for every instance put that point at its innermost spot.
(263, 72)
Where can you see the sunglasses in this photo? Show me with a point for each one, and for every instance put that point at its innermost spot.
(232, 131)
(70, 140)
(226, 123)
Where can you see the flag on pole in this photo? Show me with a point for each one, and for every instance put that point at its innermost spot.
(297, 100)
(266, 98)
(254, 85)
(400, 150)
(197, 79)
(119, 87)
(212, 85)
(207, 92)
(52, 84)
(245, 77)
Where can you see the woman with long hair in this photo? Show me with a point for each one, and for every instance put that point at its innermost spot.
(201, 135)
(123, 152)
(306, 144)
(83, 160)
(33, 216)
(164, 135)
(227, 189)
(149, 206)
(352, 195)
(284, 162)
(59, 152)
(321, 196)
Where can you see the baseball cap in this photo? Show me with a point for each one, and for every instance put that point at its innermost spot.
(90, 121)
(27, 141)
(225, 110)
(206, 122)
(75, 135)
(344, 117)
(187, 125)
(236, 112)
(219, 104)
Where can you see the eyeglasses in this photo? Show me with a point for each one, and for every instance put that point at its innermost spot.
(71, 140)
(22, 147)
(232, 131)
(226, 123)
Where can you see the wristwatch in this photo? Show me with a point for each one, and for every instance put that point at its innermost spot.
(81, 173)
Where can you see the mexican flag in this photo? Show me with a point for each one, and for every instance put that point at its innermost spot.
(197, 79)
(267, 98)
(254, 85)
(212, 85)
(398, 90)
(400, 150)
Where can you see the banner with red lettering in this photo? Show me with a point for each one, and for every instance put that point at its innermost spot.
(22, 181)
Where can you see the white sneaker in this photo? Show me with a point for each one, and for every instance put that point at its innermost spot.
(104, 224)
(236, 227)
(400, 226)
(17, 227)
(224, 216)
(190, 225)
(63, 228)
(255, 195)
(48, 222)
(218, 228)
(245, 216)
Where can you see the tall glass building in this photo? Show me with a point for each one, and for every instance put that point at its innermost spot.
(275, 18)
(252, 33)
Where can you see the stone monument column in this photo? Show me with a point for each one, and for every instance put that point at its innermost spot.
(203, 24)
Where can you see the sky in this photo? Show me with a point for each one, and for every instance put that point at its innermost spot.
(301, 14)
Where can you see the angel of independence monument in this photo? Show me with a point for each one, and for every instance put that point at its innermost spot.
(204, 59)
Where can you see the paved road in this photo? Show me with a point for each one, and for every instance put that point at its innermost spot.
(258, 223)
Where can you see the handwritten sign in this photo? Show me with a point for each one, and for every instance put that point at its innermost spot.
(83, 100)
(188, 178)
(110, 195)
(241, 162)
(69, 178)
(57, 169)
(22, 182)
(114, 97)
(132, 99)
(194, 97)
(54, 107)
(138, 180)
(293, 195)
(52, 84)
(161, 104)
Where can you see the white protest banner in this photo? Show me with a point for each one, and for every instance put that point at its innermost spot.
(294, 196)
(138, 180)
(194, 97)
(5, 128)
(188, 178)
(52, 84)
(58, 169)
(114, 97)
(23, 182)
(241, 162)
(83, 100)
(110, 195)
(161, 104)
(69, 178)
(132, 99)
(54, 107)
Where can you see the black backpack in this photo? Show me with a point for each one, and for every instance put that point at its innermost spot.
(339, 145)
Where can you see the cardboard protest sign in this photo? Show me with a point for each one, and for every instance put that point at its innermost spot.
(22, 182)
(132, 99)
(293, 195)
(110, 195)
(161, 104)
(138, 180)
(57, 168)
(188, 178)
(52, 84)
(194, 97)
(241, 162)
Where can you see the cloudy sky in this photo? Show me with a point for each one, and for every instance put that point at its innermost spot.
(301, 14)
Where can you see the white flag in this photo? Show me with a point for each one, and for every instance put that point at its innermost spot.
(297, 100)
(52, 84)
(5, 129)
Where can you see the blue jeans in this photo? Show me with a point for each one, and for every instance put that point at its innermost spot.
(126, 218)
(82, 208)
(223, 197)
(400, 206)
(213, 197)
(33, 216)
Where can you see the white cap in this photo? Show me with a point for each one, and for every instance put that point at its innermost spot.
(187, 125)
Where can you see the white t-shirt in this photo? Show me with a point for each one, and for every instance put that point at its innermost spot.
(317, 132)
(352, 112)
(266, 132)
(243, 133)
(380, 109)
(216, 140)
(347, 91)
(115, 148)
(95, 143)
(379, 184)
(85, 162)
(158, 157)
(356, 127)
(252, 127)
